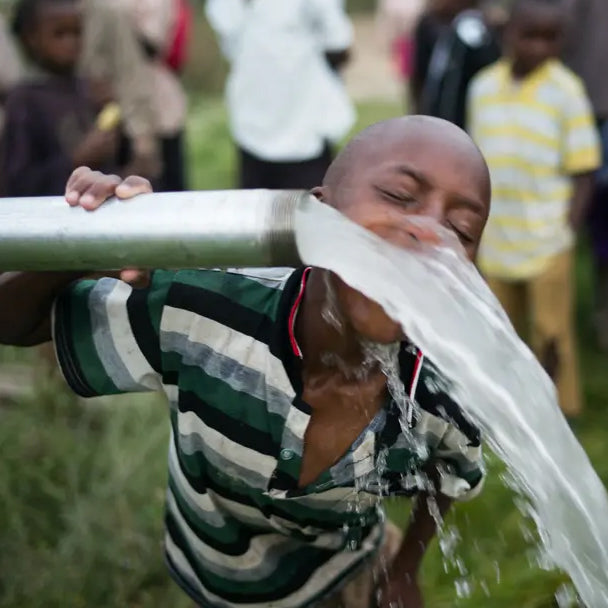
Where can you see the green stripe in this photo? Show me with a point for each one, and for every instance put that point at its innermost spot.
(81, 335)
(160, 284)
(226, 534)
(245, 409)
(289, 566)
(247, 292)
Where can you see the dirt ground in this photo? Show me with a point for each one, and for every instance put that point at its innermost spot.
(370, 75)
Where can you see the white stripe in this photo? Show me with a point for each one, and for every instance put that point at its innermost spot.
(274, 278)
(330, 573)
(521, 210)
(230, 343)
(531, 119)
(124, 340)
(539, 157)
(246, 458)
(253, 558)
(197, 501)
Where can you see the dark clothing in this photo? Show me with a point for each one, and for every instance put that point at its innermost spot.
(447, 57)
(297, 175)
(46, 119)
(173, 177)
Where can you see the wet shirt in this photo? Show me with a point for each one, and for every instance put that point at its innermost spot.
(535, 135)
(221, 347)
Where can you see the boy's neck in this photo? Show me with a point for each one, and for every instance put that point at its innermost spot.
(519, 73)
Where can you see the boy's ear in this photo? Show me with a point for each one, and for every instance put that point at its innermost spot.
(318, 192)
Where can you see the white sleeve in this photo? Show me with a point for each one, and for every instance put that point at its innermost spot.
(227, 18)
(332, 24)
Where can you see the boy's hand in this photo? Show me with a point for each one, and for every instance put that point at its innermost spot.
(97, 148)
(90, 189)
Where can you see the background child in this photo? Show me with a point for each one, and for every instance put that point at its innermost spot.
(531, 118)
(50, 120)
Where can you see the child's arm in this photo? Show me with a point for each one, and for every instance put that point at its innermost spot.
(581, 151)
(401, 586)
(581, 200)
(26, 298)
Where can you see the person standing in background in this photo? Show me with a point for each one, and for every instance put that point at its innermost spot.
(113, 55)
(50, 123)
(452, 43)
(10, 67)
(531, 118)
(286, 102)
(586, 51)
(156, 23)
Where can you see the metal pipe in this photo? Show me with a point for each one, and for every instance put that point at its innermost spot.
(169, 230)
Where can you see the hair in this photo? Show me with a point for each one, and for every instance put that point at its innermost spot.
(519, 6)
(26, 13)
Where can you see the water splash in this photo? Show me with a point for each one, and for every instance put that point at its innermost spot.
(449, 312)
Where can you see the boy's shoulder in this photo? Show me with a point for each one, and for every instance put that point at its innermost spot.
(256, 289)
(489, 78)
(563, 78)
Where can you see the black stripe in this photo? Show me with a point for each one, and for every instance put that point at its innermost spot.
(207, 480)
(309, 560)
(237, 547)
(66, 355)
(235, 430)
(221, 309)
(146, 335)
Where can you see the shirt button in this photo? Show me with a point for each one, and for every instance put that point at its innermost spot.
(287, 454)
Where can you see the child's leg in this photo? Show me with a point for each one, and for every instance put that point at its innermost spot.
(512, 297)
(553, 339)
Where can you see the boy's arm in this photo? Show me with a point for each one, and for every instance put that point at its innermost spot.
(401, 585)
(27, 298)
(581, 151)
(581, 200)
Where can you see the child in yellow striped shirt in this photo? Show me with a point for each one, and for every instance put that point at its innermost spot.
(532, 120)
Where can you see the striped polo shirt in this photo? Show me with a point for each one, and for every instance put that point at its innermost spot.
(535, 135)
(220, 346)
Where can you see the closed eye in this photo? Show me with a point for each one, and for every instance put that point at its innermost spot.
(463, 237)
(401, 198)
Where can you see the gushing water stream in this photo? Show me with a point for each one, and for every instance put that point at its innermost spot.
(448, 311)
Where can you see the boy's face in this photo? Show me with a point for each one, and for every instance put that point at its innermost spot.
(534, 36)
(427, 173)
(56, 38)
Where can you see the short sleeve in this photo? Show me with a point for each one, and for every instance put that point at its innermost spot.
(460, 465)
(457, 455)
(581, 152)
(106, 335)
(334, 28)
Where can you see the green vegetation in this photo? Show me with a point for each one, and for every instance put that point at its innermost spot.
(82, 485)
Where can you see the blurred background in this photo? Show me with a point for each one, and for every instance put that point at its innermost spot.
(82, 484)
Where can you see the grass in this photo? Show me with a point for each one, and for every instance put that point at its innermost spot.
(82, 488)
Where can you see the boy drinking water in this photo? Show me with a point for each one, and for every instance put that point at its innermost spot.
(532, 120)
(280, 419)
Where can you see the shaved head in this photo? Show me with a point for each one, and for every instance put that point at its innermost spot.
(450, 143)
